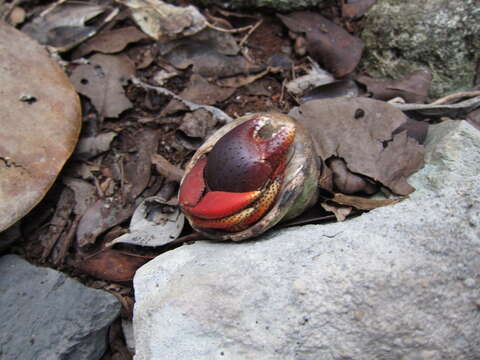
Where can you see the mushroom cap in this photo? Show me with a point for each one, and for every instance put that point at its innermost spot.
(40, 121)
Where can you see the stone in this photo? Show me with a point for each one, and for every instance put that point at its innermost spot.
(440, 35)
(400, 282)
(47, 315)
(283, 5)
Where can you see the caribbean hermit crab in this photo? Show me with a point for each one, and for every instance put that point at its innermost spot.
(250, 174)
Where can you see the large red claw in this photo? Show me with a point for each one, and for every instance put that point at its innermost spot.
(193, 186)
(218, 204)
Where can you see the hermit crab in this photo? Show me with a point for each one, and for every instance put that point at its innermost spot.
(252, 173)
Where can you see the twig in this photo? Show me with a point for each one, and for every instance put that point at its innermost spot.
(456, 96)
(166, 168)
(217, 113)
(230, 31)
(187, 238)
(250, 32)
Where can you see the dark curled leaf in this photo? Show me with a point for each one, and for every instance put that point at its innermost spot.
(454, 111)
(329, 44)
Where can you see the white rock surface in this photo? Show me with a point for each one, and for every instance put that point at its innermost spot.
(401, 282)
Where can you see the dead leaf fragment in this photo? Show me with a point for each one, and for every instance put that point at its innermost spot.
(112, 41)
(101, 216)
(195, 128)
(413, 87)
(163, 21)
(40, 119)
(340, 212)
(64, 24)
(91, 146)
(111, 265)
(362, 203)
(154, 223)
(361, 132)
(208, 62)
(329, 44)
(102, 82)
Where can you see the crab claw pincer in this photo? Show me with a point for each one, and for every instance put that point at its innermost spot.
(233, 183)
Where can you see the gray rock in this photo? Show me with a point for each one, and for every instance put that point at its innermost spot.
(46, 315)
(440, 35)
(401, 282)
(283, 5)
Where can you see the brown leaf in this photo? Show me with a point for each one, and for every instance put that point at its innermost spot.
(111, 265)
(413, 88)
(164, 21)
(329, 44)
(137, 165)
(112, 41)
(63, 26)
(360, 131)
(417, 130)
(354, 9)
(208, 62)
(101, 216)
(199, 91)
(91, 146)
(40, 123)
(102, 81)
(340, 212)
(347, 182)
(85, 193)
(195, 128)
(362, 203)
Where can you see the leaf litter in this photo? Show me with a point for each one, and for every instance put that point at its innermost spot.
(152, 93)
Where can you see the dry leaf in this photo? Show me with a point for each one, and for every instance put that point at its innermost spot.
(164, 21)
(154, 223)
(195, 128)
(454, 111)
(330, 45)
(314, 78)
(198, 91)
(112, 41)
(85, 193)
(91, 146)
(209, 62)
(340, 212)
(101, 216)
(413, 88)
(341, 88)
(102, 82)
(362, 203)
(64, 25)
(40, 123)
(361, 132)
(111, 265)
